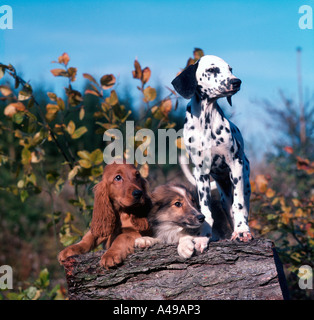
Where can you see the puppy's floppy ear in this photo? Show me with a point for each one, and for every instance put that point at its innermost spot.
(185, 83)
(104, 219)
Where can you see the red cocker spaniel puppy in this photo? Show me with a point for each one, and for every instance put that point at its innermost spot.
(120, 214)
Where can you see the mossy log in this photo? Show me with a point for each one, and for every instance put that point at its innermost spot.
(227, 270)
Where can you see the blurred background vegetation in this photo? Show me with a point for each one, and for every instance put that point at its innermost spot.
(51, 157)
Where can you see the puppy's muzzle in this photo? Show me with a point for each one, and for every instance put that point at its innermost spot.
(236, 84)
(201, 218)
(137, 194)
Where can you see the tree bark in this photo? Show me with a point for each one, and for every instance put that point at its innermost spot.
(227, 270)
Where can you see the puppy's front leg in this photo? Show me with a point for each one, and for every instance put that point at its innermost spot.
(239, 176)
(186, 247)
(145, 242)
(120, 248)
(203, 189)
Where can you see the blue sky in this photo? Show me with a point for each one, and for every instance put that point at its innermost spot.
(257, 38)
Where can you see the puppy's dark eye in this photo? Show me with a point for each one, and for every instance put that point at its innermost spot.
(118, 178)
(178, 204)
(213, 70)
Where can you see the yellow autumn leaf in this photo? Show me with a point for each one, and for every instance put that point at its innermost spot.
(275, 201)
(150, 94)
(180, 143)
(253, 186)
(70, 127)
(300, 213)
(73, 172)
(296, 202)
(5, 90)
(261, 183)
(85, 163)
(270, 193)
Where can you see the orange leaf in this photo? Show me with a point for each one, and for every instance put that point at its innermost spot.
(165, 107)
(288, 149)
(59, 72)
(253, 186)
(72, 73)
(146, 73)
(89, 77)
(13, 108)
(304, 164)
(261, 183)
(309, 230)
(64, 58)
(180, 143)
(107, 81)
(270, 193)
(137, 73)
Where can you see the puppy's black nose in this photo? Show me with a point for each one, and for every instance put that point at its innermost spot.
(235, 82)
(137, 194)
(201, 218)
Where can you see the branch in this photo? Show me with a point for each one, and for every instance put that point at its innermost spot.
(227, 270)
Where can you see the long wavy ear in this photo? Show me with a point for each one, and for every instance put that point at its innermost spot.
(147, 193)
(185, 83)
(139, 220)
(104, 219)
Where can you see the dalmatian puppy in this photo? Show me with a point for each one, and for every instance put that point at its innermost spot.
(215, 145)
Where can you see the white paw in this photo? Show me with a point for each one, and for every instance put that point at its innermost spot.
(201, 243)
(186, 248)
(244, 236)
(145, 242)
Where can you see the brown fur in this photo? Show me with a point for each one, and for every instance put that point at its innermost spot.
(118, 217)
(183, 225)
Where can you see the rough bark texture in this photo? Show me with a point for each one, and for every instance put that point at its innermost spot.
(227, 270)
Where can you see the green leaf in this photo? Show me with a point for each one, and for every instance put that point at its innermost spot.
(26, 156)
(97, 171)
(79, 132)
(96, 157)
(85, 163)
(52, 176)
(18, 117)
(31, 292)
(23, 195)
(43, 279)
(26, 92)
